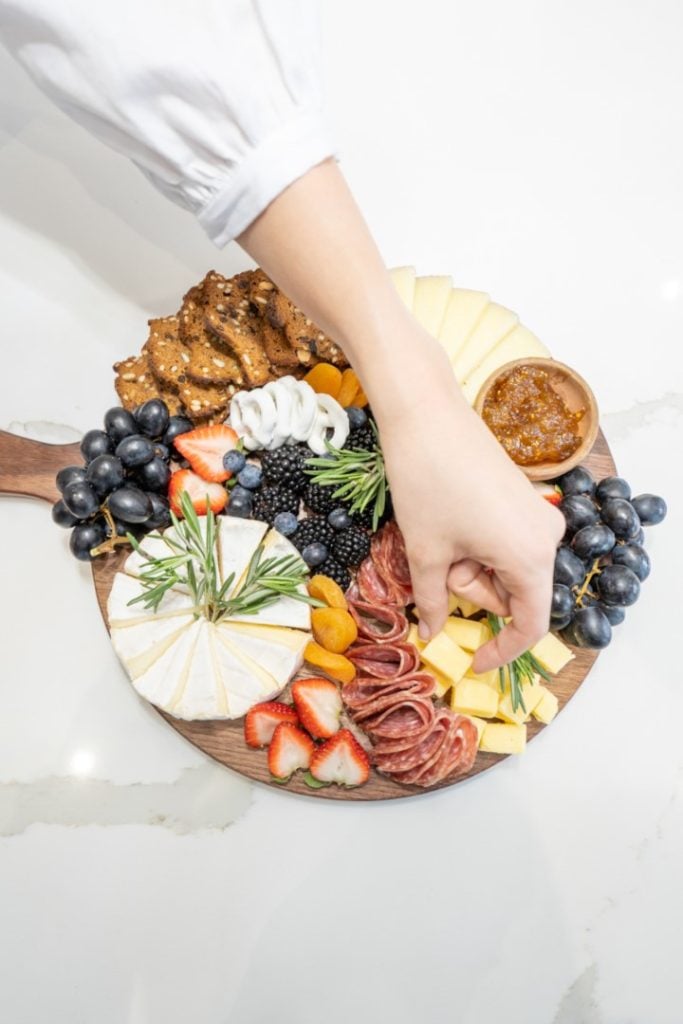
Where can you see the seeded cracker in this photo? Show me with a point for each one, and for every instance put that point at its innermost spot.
(167, 355)
(278, 349)
(135, 383)
(210, 362)
(307, 340)
(229, 316)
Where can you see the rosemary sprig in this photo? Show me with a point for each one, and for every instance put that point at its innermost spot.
(521, 670)
(192, 562)
(359, 477)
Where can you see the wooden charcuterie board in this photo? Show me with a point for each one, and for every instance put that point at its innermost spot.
(29, 467)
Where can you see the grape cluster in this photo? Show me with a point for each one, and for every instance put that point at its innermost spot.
(602, 562)
(122, 486)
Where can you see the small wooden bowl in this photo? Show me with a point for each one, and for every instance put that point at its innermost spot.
(576, 395)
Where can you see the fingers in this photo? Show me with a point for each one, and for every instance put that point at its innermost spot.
(469, 579)
(431, 597)
(530, 614)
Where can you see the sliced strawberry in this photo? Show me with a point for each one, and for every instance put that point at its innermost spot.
(341, 760)
(551, 492)
(318, 703)
(199, 491)
(291, 748)
(263, 719)
(204, 449)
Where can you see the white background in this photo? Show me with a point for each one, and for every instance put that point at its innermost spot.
(533, 150)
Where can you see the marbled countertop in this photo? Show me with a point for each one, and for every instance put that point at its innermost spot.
(532, 150)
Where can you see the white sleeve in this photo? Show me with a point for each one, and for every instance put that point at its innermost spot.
(218, 102)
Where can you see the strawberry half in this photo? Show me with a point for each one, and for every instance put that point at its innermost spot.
(341, 760)
(318, 703)
(263, 719)
(199, 491)
(550, 492)
(290, 749)
(204, 449)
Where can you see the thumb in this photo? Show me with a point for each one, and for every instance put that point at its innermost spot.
(431, 597)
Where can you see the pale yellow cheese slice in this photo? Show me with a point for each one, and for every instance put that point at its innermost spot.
(463, 311)
(121, 614)
(279, 651)
(164, 681)
(520, 343)
(244, 682)
(202, 696)
(403, 279)
(429, 302)
(494, 325)
(501, 738)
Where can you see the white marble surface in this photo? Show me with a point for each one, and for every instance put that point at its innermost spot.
(533, 150)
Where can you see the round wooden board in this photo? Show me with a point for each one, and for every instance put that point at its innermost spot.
(224, 741)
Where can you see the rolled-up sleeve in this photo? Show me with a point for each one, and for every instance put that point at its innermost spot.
(219, 104)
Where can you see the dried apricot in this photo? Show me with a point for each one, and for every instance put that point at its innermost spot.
(325, 379)
(334, 629)
(350, 387)
(334, 665)
(361, 399)
(328, 590)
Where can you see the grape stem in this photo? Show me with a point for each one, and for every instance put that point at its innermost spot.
(583, 590)
(112, 540)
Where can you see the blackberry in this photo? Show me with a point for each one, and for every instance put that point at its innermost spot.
(362, 439)
(314, 530)
(270, 501)
(318, 497)
(285, 466)
(351, 546)
(331, 567)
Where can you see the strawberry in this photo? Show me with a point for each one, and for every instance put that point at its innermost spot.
(319, 706)
(199, 491)
(341, 760)
(204, 449)
(262, 720)
(290, 748)
(551, 492)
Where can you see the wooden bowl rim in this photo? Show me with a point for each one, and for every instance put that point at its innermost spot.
(591, 419)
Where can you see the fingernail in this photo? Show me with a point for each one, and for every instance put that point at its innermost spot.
(423, 630)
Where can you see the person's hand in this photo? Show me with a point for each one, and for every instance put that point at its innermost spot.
(465, 508)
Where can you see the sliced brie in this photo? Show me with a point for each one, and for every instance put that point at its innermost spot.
(164, 681)
(126, 588)
(403, 279)
(237, 542)
(244, 682)
(286, 611)
(463, 312)
(430, 300)
(279, 651)
(203, 695)
(138, 646)
(495, 323)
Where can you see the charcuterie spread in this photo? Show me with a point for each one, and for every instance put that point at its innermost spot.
(266, 582)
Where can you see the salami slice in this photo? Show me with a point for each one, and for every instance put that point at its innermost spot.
(380, 623)
(371, 585)
(384, 660)
(397, 761)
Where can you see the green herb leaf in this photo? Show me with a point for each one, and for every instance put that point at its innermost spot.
(358, 477)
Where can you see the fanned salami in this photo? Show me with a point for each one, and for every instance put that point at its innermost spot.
(384, 660)
(382, 624)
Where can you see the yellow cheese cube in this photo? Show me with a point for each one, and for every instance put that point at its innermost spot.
(546, 709)
(491, 678)
(467, 633)
(500, 738)
(442, 682)
(461, 604)
(552, 654)
(414, 637)
(479, 724)
(472, 698)
(446, 657)
(531, 695)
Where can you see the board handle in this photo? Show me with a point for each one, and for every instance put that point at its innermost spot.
(29, 467)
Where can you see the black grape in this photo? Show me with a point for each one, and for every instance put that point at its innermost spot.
(615, 613)
(161, 516)
(617, 584)
(591, 628)
(579, 510)
(621, 517)
(634, 557)
(135, 451)
(81, 500)
(593, 541)
(95, 443)
(612, 487)
(569, 568)
(650, 508)
(152, 417)
(576, 481)
(562, 603)
(61, 515)
(85, 537)
(105, 473)
(154, 475)
(176, 425)
(70, 475)
(130, 504)
(119, 423)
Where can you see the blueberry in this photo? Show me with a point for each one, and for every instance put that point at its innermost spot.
(314, 554)
(285, 523)
(339, 519)
(95, 443)
(152, 417)
(239, 504)
(357, 417)
(234, 461)
(239, 493)
(250, 476)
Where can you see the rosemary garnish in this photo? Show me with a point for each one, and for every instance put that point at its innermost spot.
(359, 477)
(521, 670)
(192, 562)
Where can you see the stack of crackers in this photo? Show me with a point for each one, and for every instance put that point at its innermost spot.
(229, 333)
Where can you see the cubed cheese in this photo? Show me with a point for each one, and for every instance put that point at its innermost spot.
(467, 633)
(414, 637)
(462, 605)
(501, 738)
(552, 654)
(546, 709)
(491, 678)
(531, 695)
(446, 657)
(442, 682)
(472, 698)
(479, 724)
